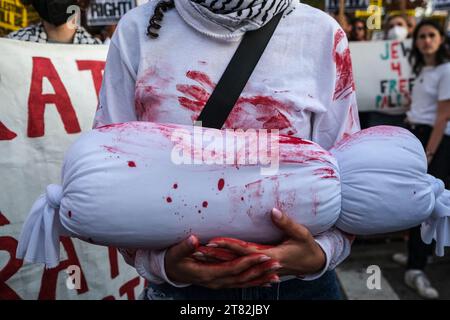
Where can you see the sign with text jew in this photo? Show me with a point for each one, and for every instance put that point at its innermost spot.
(383, 75)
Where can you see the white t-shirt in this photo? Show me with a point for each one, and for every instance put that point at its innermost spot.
(305, 71)
(303, 86)
(432, 86)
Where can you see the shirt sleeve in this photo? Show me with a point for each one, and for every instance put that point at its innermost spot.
(341, 117)
(444, 84)
(116, 99)
(337, 246)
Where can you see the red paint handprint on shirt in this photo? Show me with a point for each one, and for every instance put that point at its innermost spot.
(257, 111)
(344, 84)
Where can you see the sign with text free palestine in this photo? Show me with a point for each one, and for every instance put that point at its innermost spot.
(383, 75)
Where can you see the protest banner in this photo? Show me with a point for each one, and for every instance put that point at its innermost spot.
(107, 12)
(49, 94)
(383, 75)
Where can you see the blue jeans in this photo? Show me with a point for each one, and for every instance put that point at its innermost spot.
(324, 288)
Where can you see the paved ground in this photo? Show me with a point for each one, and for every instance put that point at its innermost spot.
(353, 273)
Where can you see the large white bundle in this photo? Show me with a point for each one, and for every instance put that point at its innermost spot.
(148, 185)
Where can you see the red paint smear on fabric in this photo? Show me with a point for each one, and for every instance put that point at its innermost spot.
(220, 184)
(344, 83)
(131, 164)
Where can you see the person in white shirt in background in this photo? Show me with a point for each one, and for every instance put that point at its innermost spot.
(429, 120)
(165, 71)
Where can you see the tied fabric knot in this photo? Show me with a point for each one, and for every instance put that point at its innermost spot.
(437, 226)
(39, 239)
(54, 194)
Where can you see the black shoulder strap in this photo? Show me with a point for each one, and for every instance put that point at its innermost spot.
(236, 75)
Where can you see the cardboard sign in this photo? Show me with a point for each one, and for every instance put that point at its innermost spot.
(441, 4)
(383, 75)
(108, 12)
(350, 5)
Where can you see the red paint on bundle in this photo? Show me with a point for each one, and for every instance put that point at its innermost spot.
(221, 184)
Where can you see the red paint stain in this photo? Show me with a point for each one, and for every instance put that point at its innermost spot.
(344, 83)
(218, 253)
(255, 111)
(169, 199)
(131, 164)
(201, 77)
(378, 131)
(326, 173)
(221, 184)
(244, 244)
(175, 186)
(205, 204)
(294, 140)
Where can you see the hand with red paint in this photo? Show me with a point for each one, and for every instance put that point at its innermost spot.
(250, 270)
(298, 255)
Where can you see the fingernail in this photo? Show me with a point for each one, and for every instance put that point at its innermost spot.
(277, 214)
(264, 258)
(198, 254)
(191, 240)
(212, 245)
(276, 266)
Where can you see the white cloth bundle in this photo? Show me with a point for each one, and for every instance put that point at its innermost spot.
(149, 185)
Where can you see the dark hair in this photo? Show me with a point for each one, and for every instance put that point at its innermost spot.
(156, 19)
(416, 57)
(352, 36)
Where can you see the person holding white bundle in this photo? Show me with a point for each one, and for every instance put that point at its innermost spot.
(303, 86)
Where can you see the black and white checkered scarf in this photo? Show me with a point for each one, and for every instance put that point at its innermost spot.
(230, 18)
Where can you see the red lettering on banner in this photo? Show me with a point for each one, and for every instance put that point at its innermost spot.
(394, 50)
(8, 244)
(396, 66)
(128, 288)
(43, 68)
(5, 133)
(113, 262)
(50, 276)
(109, 298)
(96, 68)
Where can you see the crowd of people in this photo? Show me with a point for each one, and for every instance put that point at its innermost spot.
(427, 116)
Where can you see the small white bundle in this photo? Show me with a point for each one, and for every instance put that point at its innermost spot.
(149, 185)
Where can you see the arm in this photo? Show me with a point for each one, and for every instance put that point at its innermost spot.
(442, 118)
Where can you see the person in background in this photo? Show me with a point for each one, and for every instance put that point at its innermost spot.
(358, 31)
(429, 120)
(344, 22)
(396, 27)
(57, 26)
(412, 23)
